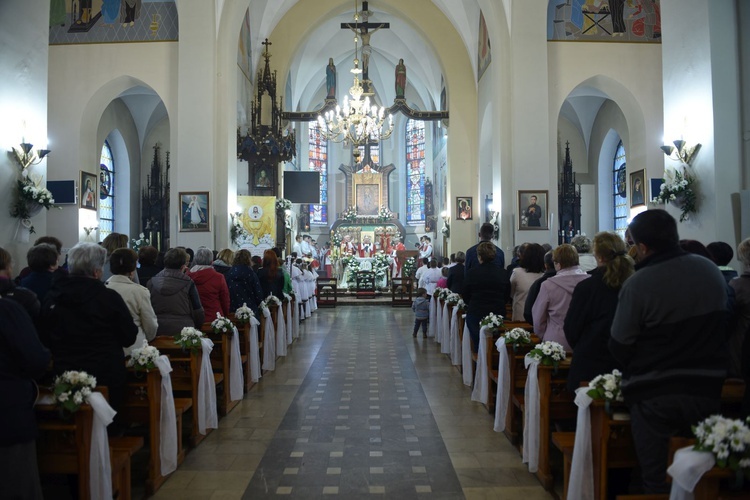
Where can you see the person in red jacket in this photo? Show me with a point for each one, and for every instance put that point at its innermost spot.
(211, 285)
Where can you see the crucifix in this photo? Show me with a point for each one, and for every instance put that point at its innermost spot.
(362, 31)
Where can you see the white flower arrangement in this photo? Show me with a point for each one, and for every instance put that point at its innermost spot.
(237, 233)
(350, 214)
(271, 299)
(380, 265)
(727, 439)
(517, 336)
(492, 321)
(243, 314)
(410, 267)
(437, 291)
(222, 325)
(141, 242)
(548, 353)
(189, 338)
(606, 387)
(282, 205)
(72, 389)
(444, 293)
(384, 213)
(144, 357)
(452, 298)
(287, 298)
(461, 305)
(678, 189)
(31, 198)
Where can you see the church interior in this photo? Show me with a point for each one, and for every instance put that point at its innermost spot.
(194, 123)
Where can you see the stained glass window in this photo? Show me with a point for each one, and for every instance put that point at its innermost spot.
(374, 153)
(619, 183)
(106, 192)
(318, 154)
(415, 166)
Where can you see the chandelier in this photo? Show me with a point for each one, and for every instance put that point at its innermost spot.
(359, 121)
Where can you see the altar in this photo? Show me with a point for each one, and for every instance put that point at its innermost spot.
(379, 265)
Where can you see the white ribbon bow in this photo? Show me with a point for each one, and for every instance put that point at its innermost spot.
(207, 417)
(687, 469)
(531, 415)
(454, 340)
(581, 483)
(254, 350)
(100, 468)
(466, 356)
(269, 342)
(280, 332)
(236, 380)
(481, 378)
(502, 399)
(167, 419)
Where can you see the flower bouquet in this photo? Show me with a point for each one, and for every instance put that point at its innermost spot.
(237, 232)
(144, 357)
(437, 291)
(410, 267)
(141, 242)
(548, 353)
(492, 321)
(243, 314)
(678, 189)
(271, 299)
(606, 387)
(72, 389)
(384, 214)
(728, 440)
(461, 305)
(452, 298)
(30, 201)
(517, 336)
(189, 338)
(222, 325)
(282, 205)
(380, 265)
(350, 214)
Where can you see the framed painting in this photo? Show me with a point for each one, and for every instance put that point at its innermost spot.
(368, 199)
(195, 213)
(89, 190)
(464, 208)
(638, 189)
(532, 210)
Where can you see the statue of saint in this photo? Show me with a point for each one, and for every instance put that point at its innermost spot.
(330, 79)
(400, 79)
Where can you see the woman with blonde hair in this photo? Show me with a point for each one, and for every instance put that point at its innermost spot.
(592, 309)
(224, 261)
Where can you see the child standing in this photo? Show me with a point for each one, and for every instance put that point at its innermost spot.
(421, 308)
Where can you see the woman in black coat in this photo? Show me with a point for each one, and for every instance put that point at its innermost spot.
(486, 290)
(592, 309)
(86, 324)
(457, 274)
(243, 283)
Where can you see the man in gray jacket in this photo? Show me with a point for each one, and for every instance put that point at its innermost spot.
(669, 333)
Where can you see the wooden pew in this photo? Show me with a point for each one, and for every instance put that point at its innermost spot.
(143, 406)
(402, 292)
(220, 359)
(64, 447)
(327, 292)
(555, 404)
(185, 376)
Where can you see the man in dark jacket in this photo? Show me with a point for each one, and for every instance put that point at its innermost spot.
(174, 296)
(22, 359)
(669, 334)
(486, 290)
(485, 235)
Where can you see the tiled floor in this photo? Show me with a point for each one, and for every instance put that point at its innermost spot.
(358, 409)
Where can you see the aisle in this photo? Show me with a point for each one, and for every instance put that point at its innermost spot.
(358, 409)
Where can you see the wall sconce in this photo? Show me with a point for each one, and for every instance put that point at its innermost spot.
(26, 157)
(446, 230)
(681, 151)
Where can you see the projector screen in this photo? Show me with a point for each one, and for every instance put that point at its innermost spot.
(302, 187)
(63, 192)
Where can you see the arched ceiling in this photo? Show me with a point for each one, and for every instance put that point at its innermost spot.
(305, 88)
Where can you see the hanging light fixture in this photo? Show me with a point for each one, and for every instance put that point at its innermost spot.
(358, 121)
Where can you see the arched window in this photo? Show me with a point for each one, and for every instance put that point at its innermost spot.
(374, 152)
(106, 192)
(415, 166)
(319, 163)
(619, 191)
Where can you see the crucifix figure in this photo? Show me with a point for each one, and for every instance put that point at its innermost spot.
(363, 31)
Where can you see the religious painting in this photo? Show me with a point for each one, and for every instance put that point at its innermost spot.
(255, 223)
(244, 48)
(368, 199)
(262, 178)
(88, 191)
(638, 189)
(430, 224)
(484, 54)
(105, 181)
(604, 20)
(194, 212)
(532, 210)
(112, 21)
(464, 208)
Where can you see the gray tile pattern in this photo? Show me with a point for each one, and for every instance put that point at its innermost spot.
(360, 424)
